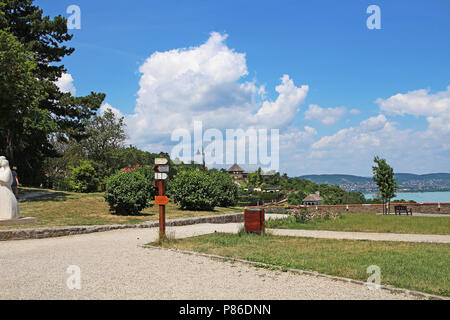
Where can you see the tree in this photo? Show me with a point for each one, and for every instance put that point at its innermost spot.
(383, 175)
(24, 127)
(194, 190)
(105, 136)
(84, 178)
(255, 179)
(55, 113)
(228, 189)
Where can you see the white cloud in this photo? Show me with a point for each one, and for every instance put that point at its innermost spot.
(206, 83)
(294, 138)
(373, 133)
(65, 84)
(417, 103)
(327, 116)
(105, 106)
(355, 112)
(373, 123)
(435, 107)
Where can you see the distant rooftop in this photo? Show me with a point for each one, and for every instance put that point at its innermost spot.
(235, 168)
(313, 197)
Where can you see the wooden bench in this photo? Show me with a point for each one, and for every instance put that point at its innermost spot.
(402, 209)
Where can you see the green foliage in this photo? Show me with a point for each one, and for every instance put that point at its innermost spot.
(255, 179)
(149, 174)
(128, 193)
(31, 50)
(194, 190)
(228, 189)
(248, 199)
(105, 135)
(296, 198)
(299, 188)
(23, 126)
(84, 178)
(383, 175)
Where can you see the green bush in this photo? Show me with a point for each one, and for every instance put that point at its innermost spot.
(228, 189)
(149, 175)
(62, 184)
(128, 193)
(84, 178)
(194, 190)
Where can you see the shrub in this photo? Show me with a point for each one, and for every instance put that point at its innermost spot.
(228, 189)
(194, 190)
(128, 193)
(149, 175)
(304, 215)
(62, 184)
(84, 178)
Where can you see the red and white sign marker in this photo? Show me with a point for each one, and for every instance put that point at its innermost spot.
(161, 161)
(163, 168)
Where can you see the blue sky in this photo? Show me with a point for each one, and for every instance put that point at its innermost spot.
(368, 91)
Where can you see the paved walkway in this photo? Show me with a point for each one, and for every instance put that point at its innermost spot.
(435, 215)
(114, 266)
(361, 235)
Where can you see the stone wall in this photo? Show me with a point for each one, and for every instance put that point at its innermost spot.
(443, 208)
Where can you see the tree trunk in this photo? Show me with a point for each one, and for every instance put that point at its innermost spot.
(9, 147)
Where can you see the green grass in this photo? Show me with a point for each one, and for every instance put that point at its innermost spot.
(364, 222)
(415, 266)
(74, 209)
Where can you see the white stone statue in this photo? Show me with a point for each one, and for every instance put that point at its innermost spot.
(9, 209)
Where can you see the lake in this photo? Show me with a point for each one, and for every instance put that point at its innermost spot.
(440, 196)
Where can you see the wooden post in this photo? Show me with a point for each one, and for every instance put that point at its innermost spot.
(162, 210)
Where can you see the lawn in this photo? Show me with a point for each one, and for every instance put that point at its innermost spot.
(365, 222)
(73, 209)
(415, 266)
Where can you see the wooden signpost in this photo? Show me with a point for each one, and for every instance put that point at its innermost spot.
(161, 169)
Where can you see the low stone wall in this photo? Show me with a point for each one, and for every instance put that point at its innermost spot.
(23, 234)
(443, 208)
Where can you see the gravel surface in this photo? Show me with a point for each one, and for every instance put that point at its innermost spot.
(114, 266)
(361, 235)
(435, 215)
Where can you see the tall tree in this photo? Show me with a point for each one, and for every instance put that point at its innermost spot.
(19, 90)
(105, 137)
(44, 38)
(383, 175)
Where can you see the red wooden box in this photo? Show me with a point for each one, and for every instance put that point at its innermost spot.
(254, 220)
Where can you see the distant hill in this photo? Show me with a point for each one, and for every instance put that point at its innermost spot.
(406, 181)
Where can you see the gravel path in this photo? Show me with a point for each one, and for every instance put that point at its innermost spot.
(434, 215)
(361, 235)
(114, 266)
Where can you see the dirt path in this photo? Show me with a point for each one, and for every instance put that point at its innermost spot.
(113, 265)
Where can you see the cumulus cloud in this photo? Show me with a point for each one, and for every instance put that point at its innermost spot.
(327, 116)
(65, 84)
(105, 106)
(370, 133)
(435, 107)
(417, 103)
(206, 83)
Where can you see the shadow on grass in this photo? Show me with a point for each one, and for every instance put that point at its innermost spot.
(44, 196)
(134, 215)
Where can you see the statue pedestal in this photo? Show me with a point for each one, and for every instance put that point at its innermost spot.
(14, 222)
